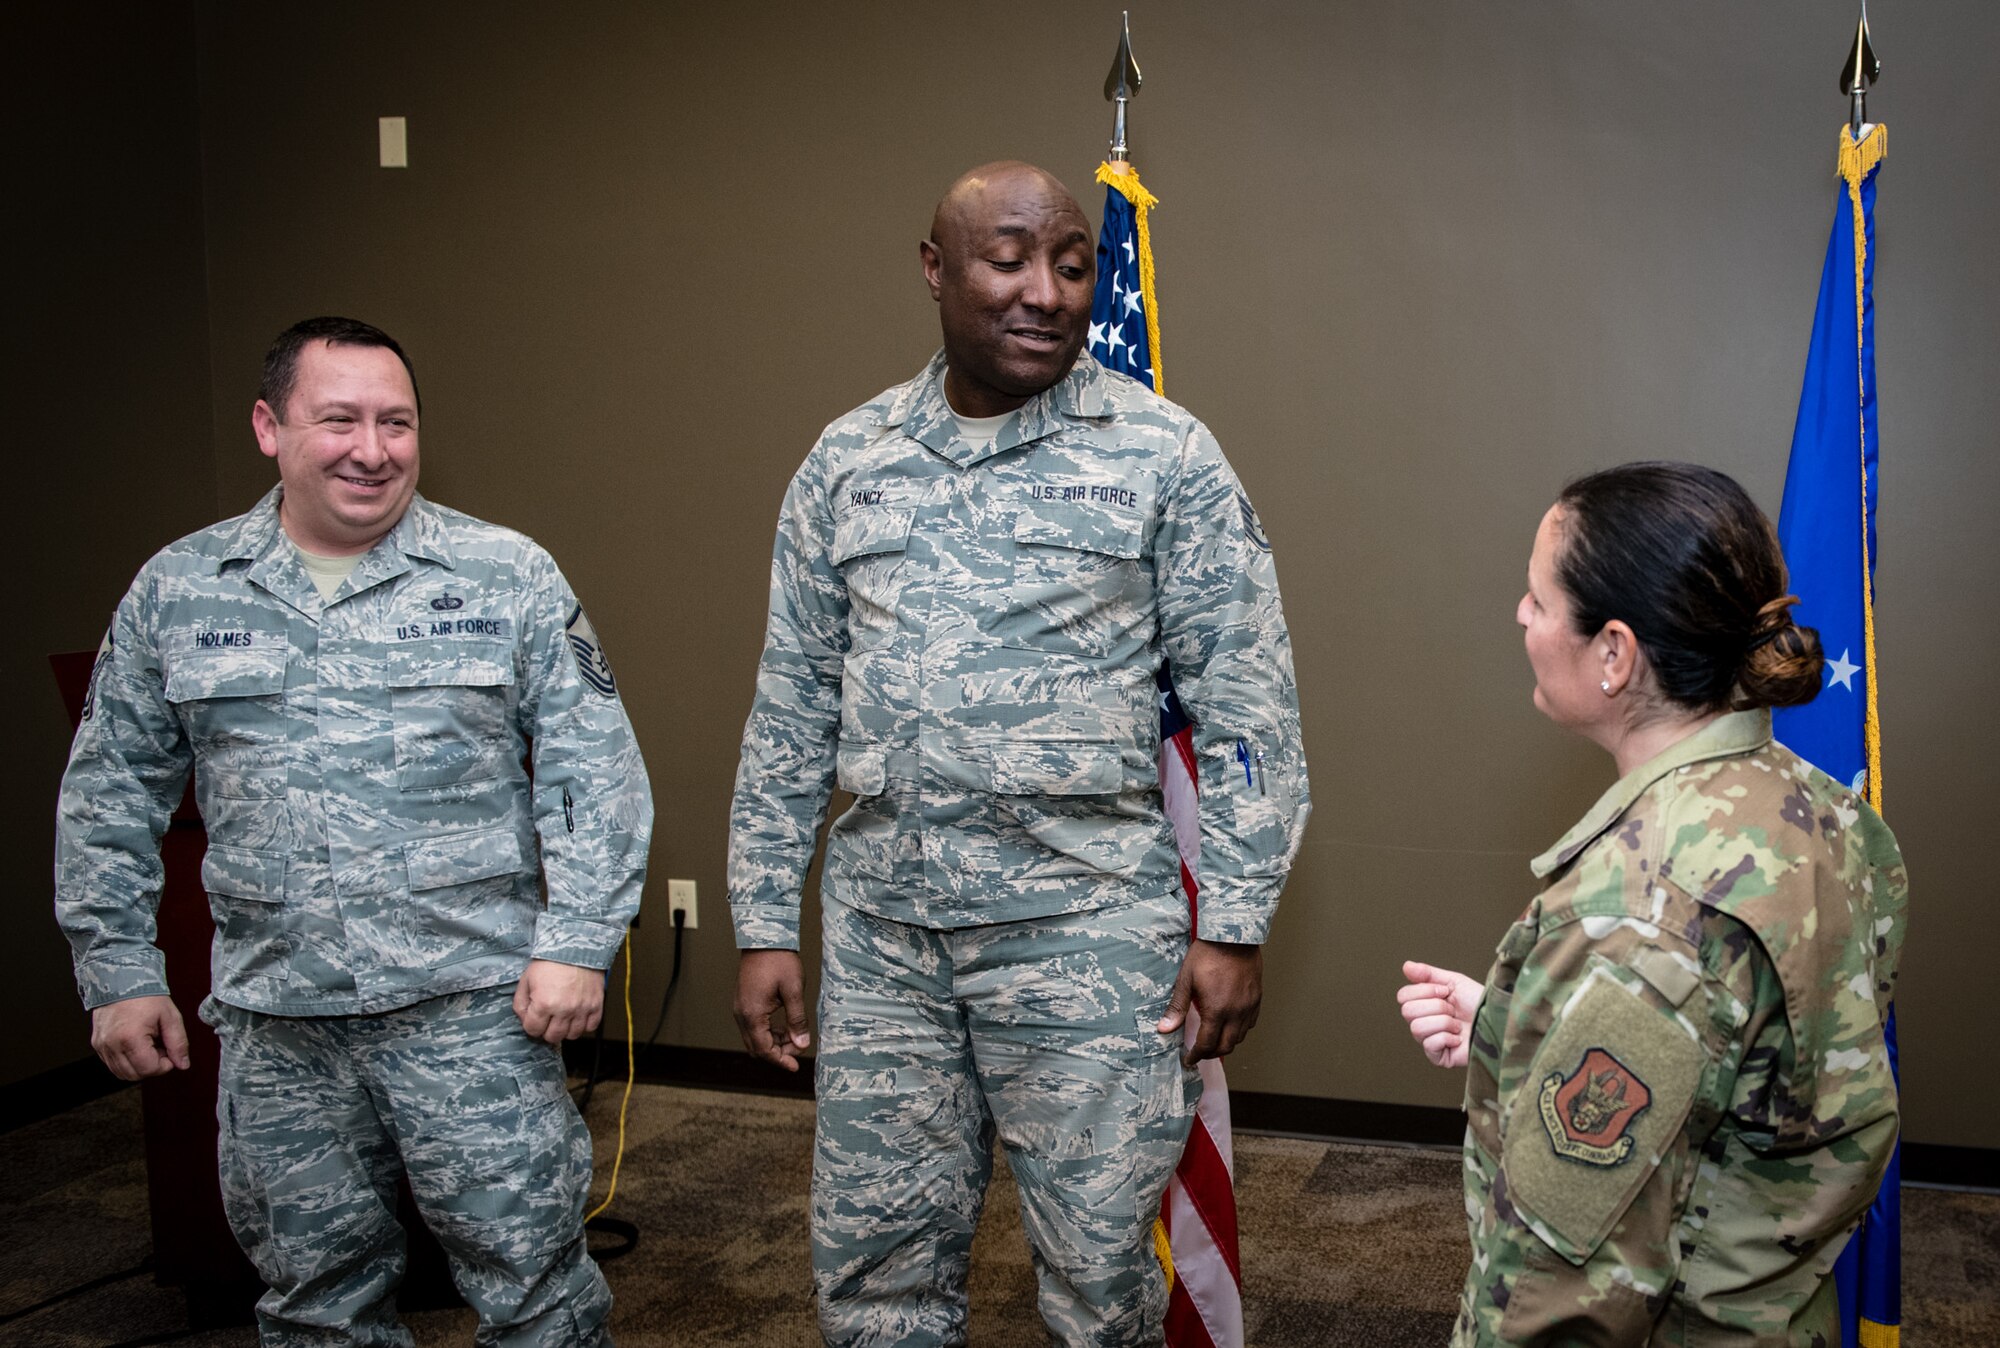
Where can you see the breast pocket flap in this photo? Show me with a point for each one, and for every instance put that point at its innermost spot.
(461, 858)
(1055, 525)
(197, 675)
(871, 531)
(420, 667)
(863, 770)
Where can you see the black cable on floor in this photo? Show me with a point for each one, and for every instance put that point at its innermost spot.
(143, 1266)
(627, 1232)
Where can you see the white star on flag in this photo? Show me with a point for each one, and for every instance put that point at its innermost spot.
(1842, 672)
(1114, 339)
(1132, 301)
(1128, 250)
(1096, 337)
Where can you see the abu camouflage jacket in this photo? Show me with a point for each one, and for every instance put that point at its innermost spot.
(966, 636)
(1679, 1099)
(362, 766)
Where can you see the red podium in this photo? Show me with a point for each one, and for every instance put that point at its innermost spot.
(193, 1247)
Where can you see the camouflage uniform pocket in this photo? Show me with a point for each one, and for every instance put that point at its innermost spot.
(452, 712)
(863, 769)
(1061, 799)
(231, 700)
(1079, 588)
(501, 1167)
(465, 897)
(868, 547)
(246, 896)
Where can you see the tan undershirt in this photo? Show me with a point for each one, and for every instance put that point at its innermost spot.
(327, 572)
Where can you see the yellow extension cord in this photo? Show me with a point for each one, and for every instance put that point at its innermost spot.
(625, 1103)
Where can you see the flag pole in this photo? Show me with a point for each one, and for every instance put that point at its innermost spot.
(1116, 173)
(1828, 530)
(1121, 86)
(1857, 73)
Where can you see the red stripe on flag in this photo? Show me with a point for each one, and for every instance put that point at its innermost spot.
(1184, 745)
(1185, 1328)
(1206, 1180)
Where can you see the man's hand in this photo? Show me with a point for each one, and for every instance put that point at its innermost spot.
(771, 1006)
(1439, 1005)
(1226, 985)
(559, 1001)
(140, 1037)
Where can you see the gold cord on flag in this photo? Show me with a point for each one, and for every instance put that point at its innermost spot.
(1163, 1249)
(1123, 179)
(1856, 163)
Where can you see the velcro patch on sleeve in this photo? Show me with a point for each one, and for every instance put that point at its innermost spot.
(589, 653)
(1600, 1106)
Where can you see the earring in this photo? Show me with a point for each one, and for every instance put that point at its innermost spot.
(1606, 686)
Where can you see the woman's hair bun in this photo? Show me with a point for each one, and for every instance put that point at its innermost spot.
(1782, 663)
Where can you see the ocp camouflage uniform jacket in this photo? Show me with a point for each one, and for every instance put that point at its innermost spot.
(361, 766)
(965, 637)
(1680, 1100)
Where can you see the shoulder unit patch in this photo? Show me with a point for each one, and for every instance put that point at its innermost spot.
(1588, 1112)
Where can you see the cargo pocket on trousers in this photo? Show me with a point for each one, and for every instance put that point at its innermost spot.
(293, 1198)
(502, 1169)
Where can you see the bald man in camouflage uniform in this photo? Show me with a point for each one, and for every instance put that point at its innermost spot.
(1679, 1096)
(978, 575)
(360, 682)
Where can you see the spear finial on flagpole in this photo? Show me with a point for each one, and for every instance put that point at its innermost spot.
(1860, 71)
(1121, 86)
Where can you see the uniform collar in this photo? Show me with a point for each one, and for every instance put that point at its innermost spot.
(1738, 732)
(259, 539)
(925, 415)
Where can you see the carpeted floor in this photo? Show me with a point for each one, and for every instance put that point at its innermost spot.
(1342, 1244)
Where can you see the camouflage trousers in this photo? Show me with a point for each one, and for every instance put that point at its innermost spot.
(1039, 1030)
(319, 1115)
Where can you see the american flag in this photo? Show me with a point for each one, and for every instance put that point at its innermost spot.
(1196, 1231)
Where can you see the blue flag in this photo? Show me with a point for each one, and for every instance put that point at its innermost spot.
(1827, 528)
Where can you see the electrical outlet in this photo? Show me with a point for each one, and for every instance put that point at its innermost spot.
(680, 899)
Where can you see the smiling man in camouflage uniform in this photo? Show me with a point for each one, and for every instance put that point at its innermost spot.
(978, 575)
(402, 731)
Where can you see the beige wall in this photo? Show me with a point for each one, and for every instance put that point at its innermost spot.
(106, 410)
(1419, 264)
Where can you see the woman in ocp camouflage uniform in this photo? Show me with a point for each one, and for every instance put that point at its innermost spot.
(1679, 1100)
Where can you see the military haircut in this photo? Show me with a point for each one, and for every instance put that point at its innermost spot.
(281, 362)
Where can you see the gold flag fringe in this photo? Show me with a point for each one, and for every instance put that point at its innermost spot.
(1123, 179)
(1855, 164)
